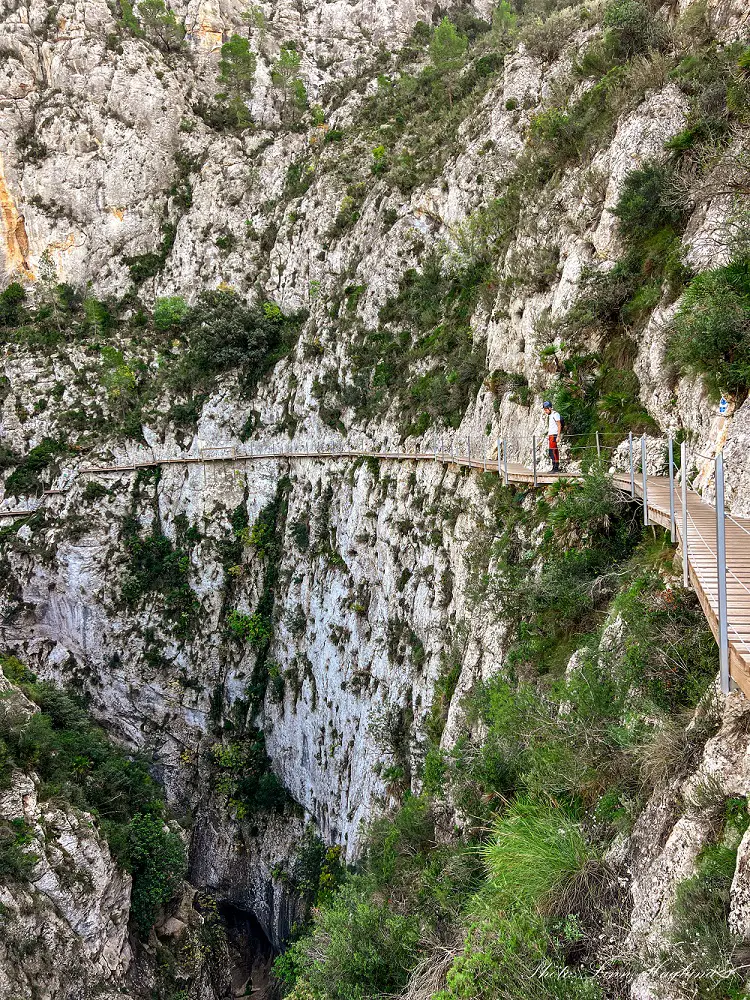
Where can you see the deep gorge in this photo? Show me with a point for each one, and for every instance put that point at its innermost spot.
(350, 728)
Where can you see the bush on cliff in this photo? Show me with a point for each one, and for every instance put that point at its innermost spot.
(76, 761)
(710, 334)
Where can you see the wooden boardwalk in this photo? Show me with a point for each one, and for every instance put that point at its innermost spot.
(701, 526)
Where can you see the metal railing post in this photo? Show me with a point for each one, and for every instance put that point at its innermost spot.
(672, 525)
(533, 456)
(644, 479)
(498, 458)
(721, 576)
(485, 456)
(442, 450)
(598, 446)
(632, 466)
(453, 451)
(505, 461)
(683, 469)
(468, 449)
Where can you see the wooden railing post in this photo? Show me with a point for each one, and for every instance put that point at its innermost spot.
(721, 576)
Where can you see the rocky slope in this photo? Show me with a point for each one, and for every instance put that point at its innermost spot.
(109, 153)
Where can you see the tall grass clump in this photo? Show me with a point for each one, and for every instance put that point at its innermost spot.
(538, 857)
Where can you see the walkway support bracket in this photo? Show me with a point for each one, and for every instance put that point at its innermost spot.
(721, 577)
(672, 525)
(684, 484)
(632, 466)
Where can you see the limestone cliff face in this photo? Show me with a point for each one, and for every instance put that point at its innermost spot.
(99, 134)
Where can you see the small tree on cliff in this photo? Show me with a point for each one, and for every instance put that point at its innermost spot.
(161, 25)
(237, 73)
(448, 52)
(285, 77)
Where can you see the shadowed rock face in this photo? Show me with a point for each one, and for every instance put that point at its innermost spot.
(250, 952)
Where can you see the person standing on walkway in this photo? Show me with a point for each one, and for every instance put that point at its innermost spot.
(554, 429)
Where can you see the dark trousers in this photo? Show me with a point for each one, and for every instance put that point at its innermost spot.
(554, 452)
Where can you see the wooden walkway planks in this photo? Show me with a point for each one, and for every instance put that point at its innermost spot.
(701, 531)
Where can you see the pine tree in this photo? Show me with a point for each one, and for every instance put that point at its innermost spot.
(237, 73)
(237, 66)
(448, 52)
(284, 76)
(161, 25)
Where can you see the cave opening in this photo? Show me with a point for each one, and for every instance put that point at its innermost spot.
(251, 954)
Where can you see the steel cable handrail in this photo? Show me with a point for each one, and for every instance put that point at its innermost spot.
(736, 522)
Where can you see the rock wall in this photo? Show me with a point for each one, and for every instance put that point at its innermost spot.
(99, 135)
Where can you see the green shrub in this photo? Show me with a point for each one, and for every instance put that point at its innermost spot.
(669, 651)
(512, 958)
(300, 531)
(11, 304)
(650, 225)
(432, 313)
(244, 775)
(94, 491)
(632, 26)
(547, 37)
(155, 857)
(710, 335)
(254, 629)
(224, 336)
(169, 312)
(27, 478)
(160, 24)
(359, 947)
(75, 760)
(16, 671)
(147, 265)
(644, 206)
(156, 566)
(16, 863)
(702, 947)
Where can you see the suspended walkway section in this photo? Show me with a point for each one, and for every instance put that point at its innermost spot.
(715, 545)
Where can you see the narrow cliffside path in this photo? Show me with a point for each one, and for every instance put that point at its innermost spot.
(701, 535)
